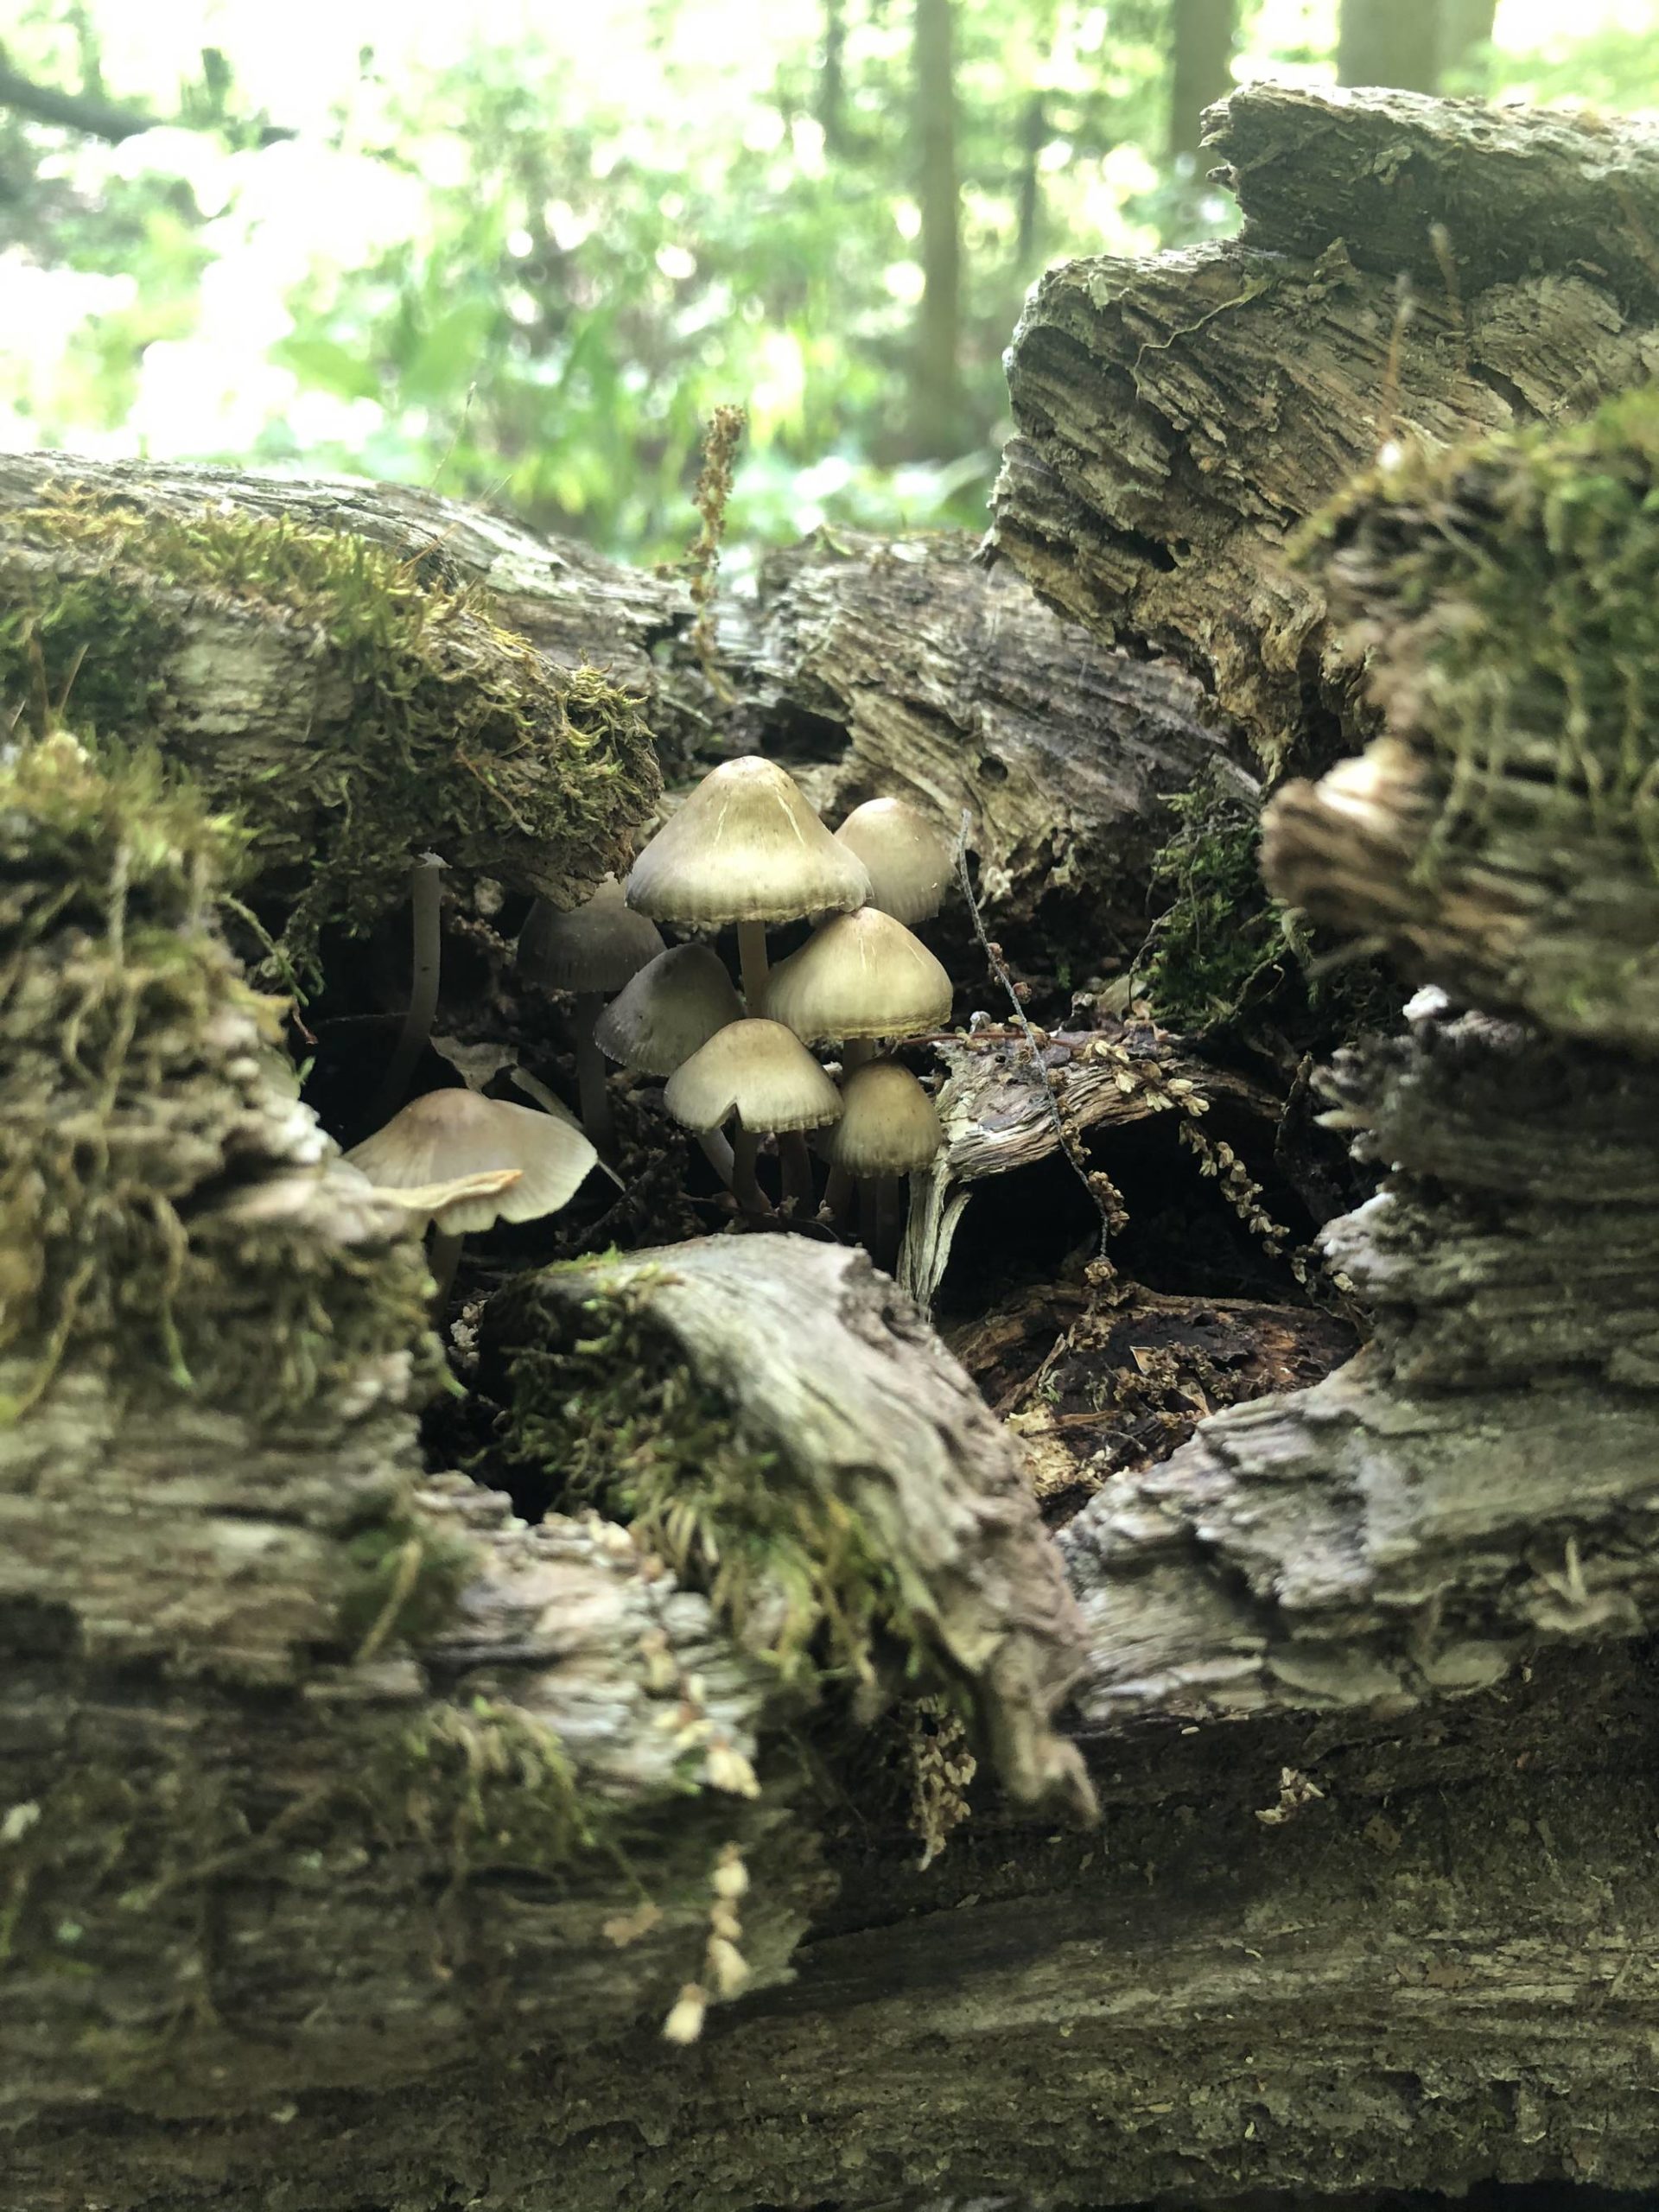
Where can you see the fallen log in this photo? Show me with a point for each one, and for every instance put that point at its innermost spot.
(1177, 417)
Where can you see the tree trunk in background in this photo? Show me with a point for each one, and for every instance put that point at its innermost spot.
(937, 395)
(1397, 45)
(1465, 27)
(832, 82)
(1034, 129)
(1201, 57)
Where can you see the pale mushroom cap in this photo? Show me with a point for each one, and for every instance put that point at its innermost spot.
(759, 1071)
(889, 1124)
(597, 946)
(448, 1135)
(744, 846)
(909, 857)
(860, 974)
(670, 1008)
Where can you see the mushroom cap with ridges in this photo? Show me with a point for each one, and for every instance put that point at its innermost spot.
(860, 975)
(597, 946)
(888, 1125)
(909, 857)
(744, 846)
(671, 1007)
(759, 1071)
(448, 1135)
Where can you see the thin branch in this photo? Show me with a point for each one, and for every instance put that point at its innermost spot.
(97, 118)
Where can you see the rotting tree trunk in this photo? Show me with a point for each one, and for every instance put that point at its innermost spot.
(1374, 1903)
(1178, 418)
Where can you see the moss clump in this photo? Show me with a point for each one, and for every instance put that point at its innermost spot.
(1510, 596)
(1220, 929)
(139, 1087)
(605, 1412)
(454, 731)
(486, 1787)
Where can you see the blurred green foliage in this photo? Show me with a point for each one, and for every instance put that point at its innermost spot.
(527, 270)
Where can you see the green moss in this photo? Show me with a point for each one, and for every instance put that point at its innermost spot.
(1219, 929)
(486, 1787)
(460, 735)
(137, 1070)
(1511, 595)
(610, 1416)
(1224, 951)
(405, 1578)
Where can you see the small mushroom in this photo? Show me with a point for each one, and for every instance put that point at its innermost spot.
(744, 846)
(671, 1007)
(909, 858)
(591, 951)
(761, 1072)
(448, 1135)
(860, 975)
(426, 958)
(889, 1127)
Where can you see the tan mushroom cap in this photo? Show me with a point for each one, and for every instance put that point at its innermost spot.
(449, 1134)
(889, 1124)
(909, 857)
(744, 846)
(597, 946)
(759, 1071)
(671, 1007)
(860, 975)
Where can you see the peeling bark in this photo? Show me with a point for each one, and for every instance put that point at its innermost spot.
(1180, 416)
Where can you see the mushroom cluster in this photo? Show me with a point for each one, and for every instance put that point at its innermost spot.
(744, 851)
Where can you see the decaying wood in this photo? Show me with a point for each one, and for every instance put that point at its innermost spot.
(1480, 1481)
(826, 1367)
(1001, 1113)
(909, 670)
(1178, 416)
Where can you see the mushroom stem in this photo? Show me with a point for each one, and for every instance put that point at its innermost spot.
(796, 1166)
(856, 1052)
(745, 1184)
(442, 1259)
(425, 893)
(752, 959)
(838, 1196)
(593, 1082)
(881, 1217)
(718, 1154)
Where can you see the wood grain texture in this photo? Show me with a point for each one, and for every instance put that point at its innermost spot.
(1178, 416)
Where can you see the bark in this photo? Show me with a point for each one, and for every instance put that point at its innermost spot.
(1177, 417)
(1201, 34)
(910, 669)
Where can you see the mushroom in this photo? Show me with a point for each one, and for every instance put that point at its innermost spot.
(744, 846)
(448, 1135)
(859, 976)
(888, 1128)
(762, 1073)
(592, 950)
(671, 1007)
(426, 947)
(909, 858)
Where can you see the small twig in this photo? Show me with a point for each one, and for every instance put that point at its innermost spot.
(1067, 1136)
